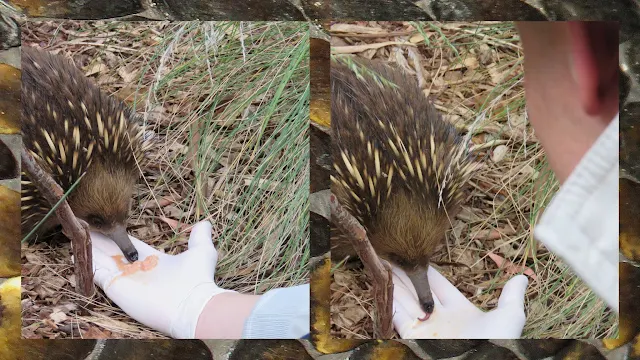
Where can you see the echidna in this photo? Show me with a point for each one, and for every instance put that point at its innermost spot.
(399, 168)
(76, 132)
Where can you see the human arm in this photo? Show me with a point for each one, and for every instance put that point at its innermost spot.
(230, 309)
(581, 224)
(571, 88)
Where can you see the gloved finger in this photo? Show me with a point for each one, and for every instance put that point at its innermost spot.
(405, 309)
(444, 290)
(105, 244)
(104, 269)
(402, 321)
(102, 260)
(508, 318)
(501, 324)
(513, 293)
(507, 322)
(400, 278)
(200, 237)
(102, 242)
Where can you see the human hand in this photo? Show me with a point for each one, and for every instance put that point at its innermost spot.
(164, 292)
(454, 316)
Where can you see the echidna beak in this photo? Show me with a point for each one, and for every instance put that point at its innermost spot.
(121, 238)
(420, 282)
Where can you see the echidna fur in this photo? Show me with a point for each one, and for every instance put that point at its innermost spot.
(74, 130)
(399, 168)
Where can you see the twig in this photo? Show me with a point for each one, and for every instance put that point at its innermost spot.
(380, 273)
(373, 36)
(74, 228)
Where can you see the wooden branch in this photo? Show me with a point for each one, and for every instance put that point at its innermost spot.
(74, 228)
(380, 272)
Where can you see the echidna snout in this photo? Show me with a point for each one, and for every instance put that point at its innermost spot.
(420, 281)
(119, 235)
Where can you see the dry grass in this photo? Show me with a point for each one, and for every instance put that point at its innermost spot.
(473, 72)
(226, 105)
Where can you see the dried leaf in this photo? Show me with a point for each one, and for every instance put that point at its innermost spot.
(471, 62)
(96, 68)
(128, 75)
(511, 268)
(58, 317)
(95, 332)
(499, 153)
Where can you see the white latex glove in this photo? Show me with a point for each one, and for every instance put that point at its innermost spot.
(169, 296)
(454, 316)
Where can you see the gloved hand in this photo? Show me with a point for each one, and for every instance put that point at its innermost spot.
(454, 316)
(164, 292)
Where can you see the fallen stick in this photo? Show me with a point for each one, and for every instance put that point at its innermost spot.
(380, 272)
(74, 228)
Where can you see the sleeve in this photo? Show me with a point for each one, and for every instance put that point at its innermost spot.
(281, 313)
(580, 225)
